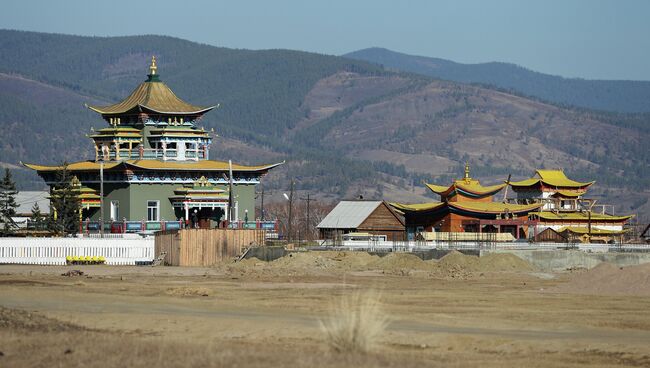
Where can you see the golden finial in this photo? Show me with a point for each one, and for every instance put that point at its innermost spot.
(467, 170)
(75, 182)
(153, 67)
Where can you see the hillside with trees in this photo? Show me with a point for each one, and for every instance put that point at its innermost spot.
(608, 95)
(345, 127)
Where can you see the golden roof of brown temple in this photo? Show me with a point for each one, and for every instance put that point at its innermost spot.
(552, 178)
(468, 185)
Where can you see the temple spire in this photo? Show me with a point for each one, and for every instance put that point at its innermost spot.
(467, 178)
(153, 67)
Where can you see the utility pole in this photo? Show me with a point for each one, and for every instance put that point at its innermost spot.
(290, 209)
(261, 195)
(101, 198)
(505, 192)
(231, 203)
(308, 199)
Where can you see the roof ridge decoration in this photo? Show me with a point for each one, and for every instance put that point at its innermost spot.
(153, 67)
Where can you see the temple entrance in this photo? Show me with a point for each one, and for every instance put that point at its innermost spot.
(201, 217)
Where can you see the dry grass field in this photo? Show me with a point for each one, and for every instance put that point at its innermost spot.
(457, 312)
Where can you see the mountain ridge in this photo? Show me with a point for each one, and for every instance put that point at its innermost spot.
(345, 128)
(628, 96)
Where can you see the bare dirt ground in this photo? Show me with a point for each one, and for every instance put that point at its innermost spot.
(457, 312)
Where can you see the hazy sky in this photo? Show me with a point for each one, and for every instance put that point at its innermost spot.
(582, 38)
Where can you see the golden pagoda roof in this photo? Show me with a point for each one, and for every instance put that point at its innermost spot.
(416, 207)
(579, 216)
(473, 186)
(585, 230)
(74, 166)
(154, 165)
(495, 207)
(152, 95)
(482, 207)
(196, 165)
(467, 185)
(553, 178)
(128, 132)
(569, 193)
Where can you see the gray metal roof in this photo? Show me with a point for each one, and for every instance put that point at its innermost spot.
(26, 199)
(348, 214)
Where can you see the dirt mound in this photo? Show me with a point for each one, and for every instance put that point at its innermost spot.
(302, 260)
(456, 259)
(14, 319)
(607, 279)
(491, 262)
(188, 291)
(401, 261)
(355, 261)
(496, 262)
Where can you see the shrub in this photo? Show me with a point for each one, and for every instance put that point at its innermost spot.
(355, 324)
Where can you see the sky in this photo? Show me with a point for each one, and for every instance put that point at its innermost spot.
(592, 39)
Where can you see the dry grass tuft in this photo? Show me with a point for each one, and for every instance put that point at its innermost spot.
(356, 324)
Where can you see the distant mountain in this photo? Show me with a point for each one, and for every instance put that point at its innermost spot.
(607, 95)
(345, 127)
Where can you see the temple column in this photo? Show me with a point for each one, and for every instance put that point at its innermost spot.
(117, 150)
(187, 211)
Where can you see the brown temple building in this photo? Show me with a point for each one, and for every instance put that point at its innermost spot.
(547, 207)
(467, 206)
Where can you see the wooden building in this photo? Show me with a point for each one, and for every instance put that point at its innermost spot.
(372, 217)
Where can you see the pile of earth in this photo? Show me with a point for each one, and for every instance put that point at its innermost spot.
(188, 291)
(608, 279)
(452, 265)
(14, 319)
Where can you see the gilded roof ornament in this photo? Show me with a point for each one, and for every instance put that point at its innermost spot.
(153, 68)
(467, 178)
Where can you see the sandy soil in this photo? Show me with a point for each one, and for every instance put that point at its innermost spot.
(457, 312)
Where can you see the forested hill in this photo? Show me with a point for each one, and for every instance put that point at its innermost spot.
(607, 95)
(345, 127)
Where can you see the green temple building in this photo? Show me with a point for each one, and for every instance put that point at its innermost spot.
(152, 163)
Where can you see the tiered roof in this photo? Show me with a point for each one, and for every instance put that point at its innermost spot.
(578, 216)
(466, 187)
(551, 178)
(466, 203)
(152, 95)
(205, 165)
(468, 206)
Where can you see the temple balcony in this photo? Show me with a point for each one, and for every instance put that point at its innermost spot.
(155, 154)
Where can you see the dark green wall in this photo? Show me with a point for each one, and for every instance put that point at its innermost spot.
(133, 200)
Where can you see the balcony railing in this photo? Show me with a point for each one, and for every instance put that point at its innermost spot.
(156, 154)
(120, 227)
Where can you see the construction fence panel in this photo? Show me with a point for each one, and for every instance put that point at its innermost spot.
(205, 247)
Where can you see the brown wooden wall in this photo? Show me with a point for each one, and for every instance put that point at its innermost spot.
(205, 247)
(382, 221)
(550, 235)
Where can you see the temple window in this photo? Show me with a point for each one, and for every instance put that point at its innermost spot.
(153, 210)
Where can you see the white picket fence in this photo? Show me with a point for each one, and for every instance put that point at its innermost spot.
(53, 251)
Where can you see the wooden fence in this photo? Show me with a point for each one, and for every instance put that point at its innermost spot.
(205, 247)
